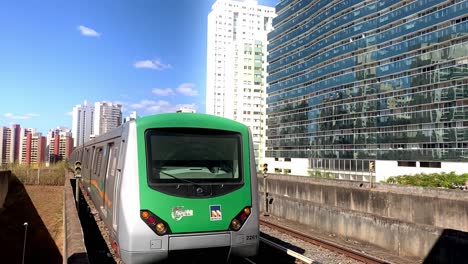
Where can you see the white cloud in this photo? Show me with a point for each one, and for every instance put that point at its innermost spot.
(155, 64)
(119, 102)
(165, 107)
(160, 106)
(20, 117)
(163, 92)
(69, 113)
(187, 89)
(89, 32)
(142, 104)
(146, 106)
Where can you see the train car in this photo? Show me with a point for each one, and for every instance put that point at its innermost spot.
(174, 184)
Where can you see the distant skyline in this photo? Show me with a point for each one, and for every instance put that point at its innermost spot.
(149, 56)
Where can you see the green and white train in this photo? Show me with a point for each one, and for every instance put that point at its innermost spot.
(173, 184)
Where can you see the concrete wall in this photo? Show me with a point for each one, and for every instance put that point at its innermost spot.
(4, 176)
(406, 220)
(74, 247)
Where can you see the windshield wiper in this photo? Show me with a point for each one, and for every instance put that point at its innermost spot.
(180, 179)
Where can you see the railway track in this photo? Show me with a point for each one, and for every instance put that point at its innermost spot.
(273, 250)
(326, 244)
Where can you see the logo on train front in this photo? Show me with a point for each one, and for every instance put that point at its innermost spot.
(178, 212)
(215, 213)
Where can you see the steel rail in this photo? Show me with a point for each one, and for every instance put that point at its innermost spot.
(326, 244)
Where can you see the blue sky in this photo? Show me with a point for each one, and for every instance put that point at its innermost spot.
(148, 55)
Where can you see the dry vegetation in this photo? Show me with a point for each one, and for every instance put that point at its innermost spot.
(18, 209)
(39, 205)
(52, 175)
(48, 201)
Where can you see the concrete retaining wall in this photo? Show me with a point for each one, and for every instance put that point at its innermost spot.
(4, 177)
(409, 221)
(74, 247)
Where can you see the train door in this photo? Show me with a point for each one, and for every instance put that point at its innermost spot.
(109, 181)
(84, 165)
(89, 168)
(96, 176)
(120, 155)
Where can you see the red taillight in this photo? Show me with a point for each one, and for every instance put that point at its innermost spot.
(242, 216)
(156, 224)
(239, 220)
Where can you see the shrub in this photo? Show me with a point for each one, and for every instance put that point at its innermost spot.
(444, 180)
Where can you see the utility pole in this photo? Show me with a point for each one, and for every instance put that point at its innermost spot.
(265, 190)
(371, 170)
(77, 183)
(25, 235)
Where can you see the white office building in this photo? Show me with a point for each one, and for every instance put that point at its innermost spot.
(107, 116)
(91, 120)
(132, 116)
(83, 123)
(236, 65)
(186, 109)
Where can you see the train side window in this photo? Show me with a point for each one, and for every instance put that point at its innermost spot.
(112, 161)
(91, 157)
(97, 165)
(86, 158)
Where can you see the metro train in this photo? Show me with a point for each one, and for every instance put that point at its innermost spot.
(174, 184)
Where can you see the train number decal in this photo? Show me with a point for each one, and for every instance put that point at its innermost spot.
(251, 237)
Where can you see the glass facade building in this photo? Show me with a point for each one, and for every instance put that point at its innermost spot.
(356, 82)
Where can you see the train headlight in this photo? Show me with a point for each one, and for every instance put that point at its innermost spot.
(235, 224)
(240, 219)
(159, 226)
(144, 214)
(161, 229)
(247, 210)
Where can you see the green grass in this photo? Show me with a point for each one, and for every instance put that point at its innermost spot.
(52, 175)
(445, 180)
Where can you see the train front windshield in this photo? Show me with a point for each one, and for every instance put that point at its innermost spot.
(184, 156)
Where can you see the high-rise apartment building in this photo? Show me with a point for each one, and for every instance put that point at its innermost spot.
(5, 145)
(33, 147)
(236, 64)
(357, 88)
(60, 144)
(107, 116)
(92, 120)
(10, 138)
(26, 146)
(15, 141)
